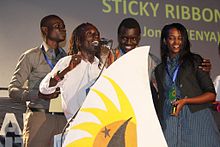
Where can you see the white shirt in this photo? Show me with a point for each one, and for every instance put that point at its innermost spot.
(217, 87)
(74, 85)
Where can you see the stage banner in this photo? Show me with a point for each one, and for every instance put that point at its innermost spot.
(119, 110)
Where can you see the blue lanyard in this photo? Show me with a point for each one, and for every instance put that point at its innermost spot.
(174, 74)
(46, 58)
(122, 52)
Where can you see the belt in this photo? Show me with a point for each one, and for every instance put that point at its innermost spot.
(45, 111)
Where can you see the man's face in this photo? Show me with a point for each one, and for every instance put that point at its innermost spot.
(90, 35)
(56, 30)
(128, 38)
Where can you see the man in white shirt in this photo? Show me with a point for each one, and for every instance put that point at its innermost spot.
(75, 74)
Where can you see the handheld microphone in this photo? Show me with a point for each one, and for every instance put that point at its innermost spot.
(104, 42)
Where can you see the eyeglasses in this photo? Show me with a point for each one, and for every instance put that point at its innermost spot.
(59, 26)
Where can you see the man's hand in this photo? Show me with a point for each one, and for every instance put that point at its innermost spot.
(206, 65)
(76, 59)
(104, 55)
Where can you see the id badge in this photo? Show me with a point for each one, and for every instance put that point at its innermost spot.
(172, 94)
(173, 107)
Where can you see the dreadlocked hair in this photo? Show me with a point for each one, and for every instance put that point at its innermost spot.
(76, 38)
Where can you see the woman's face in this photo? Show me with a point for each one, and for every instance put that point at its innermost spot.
(174, 42)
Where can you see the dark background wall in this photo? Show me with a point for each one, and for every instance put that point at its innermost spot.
(19, 24)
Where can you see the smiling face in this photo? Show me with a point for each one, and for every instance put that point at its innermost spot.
(128, 38)
(90, 35)
(174, 42)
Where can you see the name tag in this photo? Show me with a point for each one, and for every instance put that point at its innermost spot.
(172, 94)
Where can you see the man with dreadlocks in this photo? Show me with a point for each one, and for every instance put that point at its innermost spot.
(74, 74)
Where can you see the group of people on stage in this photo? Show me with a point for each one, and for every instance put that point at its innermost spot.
(181, 86)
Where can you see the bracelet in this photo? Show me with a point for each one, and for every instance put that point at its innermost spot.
(58, 73)
(57, 78)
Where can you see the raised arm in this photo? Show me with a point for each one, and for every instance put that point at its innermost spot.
(54, 79)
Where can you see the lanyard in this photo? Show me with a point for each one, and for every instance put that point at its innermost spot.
(46, 58)
(172, 91)
(174, 74)
(122, 52)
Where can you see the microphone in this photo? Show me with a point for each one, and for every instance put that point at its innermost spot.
(103, 42)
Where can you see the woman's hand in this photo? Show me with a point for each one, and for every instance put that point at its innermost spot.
(179, 105)
(206, 65)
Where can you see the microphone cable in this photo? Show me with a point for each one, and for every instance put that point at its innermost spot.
(72, 118)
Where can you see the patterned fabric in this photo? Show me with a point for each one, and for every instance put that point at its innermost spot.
(189, 129)
(172, 65)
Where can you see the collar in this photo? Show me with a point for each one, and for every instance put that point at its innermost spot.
(174, 60)
(96, 61)
(122, 52)
(50, 50)
(46, 47)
